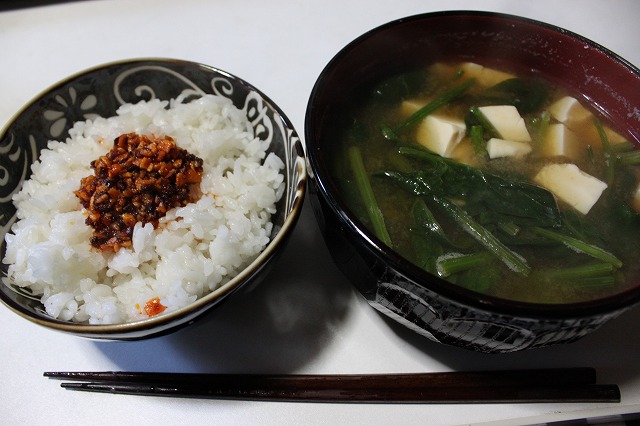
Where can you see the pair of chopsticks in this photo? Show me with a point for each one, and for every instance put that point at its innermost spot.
(507, 386)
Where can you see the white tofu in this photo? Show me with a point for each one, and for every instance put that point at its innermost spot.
(567, 109)
(571, 185)
(471, 69)
(410, 106)
(507, 121)
(442, 69)
(576, 117)
(498, 148)
(440, 134)
(486, 77)
(560, 141)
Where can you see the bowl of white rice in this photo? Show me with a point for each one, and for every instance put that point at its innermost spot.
(137, 195)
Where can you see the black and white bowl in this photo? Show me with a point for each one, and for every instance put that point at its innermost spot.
(99, 92)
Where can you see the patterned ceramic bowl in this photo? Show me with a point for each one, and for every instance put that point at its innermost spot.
(423, 302)
(99, 92)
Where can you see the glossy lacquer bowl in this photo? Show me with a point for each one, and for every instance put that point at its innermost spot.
(99, 92)
(425, 303)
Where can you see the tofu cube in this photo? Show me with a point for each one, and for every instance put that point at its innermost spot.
(440, 134)
(498, 148)
(571, 185)
(410, 106)
(560, 141)
(568, 109)
(486, 77)
(507, 121)
(442, 69)
(576, 117)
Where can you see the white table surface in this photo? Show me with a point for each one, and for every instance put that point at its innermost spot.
(305, 318)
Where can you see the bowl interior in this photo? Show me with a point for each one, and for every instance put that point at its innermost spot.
(501, 41)
(99, 92)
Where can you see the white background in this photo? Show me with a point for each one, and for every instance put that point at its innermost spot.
(305, 318)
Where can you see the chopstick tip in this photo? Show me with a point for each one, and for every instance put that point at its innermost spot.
(57, 374)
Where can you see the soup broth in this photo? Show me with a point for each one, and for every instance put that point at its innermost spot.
(504, 184)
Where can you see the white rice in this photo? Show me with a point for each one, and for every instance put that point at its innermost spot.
(194, 250)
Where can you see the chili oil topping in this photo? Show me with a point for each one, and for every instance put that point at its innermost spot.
(138, 180)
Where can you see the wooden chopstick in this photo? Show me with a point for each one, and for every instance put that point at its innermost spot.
(507, 386)
(549, 376)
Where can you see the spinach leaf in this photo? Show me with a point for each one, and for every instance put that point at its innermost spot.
(426, 223)
(513, 201)
(399, 87)
(440, 101)
(526, 94)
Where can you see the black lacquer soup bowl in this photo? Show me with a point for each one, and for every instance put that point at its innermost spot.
(421, 301)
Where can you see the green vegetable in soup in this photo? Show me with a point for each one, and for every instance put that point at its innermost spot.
(368, 197)
(476, 135)
(539, 126)
(425, 222)
(398, 87)
(507, 200)
(488, 240)
(478, 216)
(610, 158)
(475, 118)
(580, 246)
(440, 101)
(526, 94)
(454, 263)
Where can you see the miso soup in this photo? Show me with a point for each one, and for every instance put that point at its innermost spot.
(505, 184)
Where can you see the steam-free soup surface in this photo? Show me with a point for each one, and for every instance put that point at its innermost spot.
(502, 183)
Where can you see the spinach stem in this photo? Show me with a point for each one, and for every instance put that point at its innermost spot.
(629, 158)
(580, 272)
(453, 263)
(476, 134)
(509, 228)
(580, 246)
(420, 114)
(514, 261)
(590, 154)
(594, 282)
(425, 221)
(540, 126)
(367, 195)
(484, 122)
(610, 156)
(625, 146)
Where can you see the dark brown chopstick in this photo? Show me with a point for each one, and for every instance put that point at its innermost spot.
(546, 377)
(508, 386)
